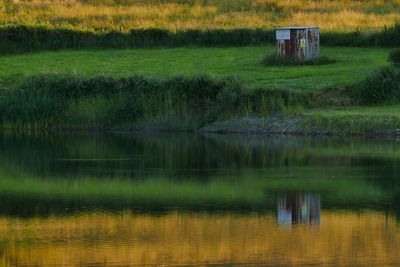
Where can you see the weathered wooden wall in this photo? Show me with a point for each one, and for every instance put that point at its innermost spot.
(303, 44)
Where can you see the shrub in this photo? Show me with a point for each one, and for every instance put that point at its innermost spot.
(394, 56)
(389, 37)
(382, 86)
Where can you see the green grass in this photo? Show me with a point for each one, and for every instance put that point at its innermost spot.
(353, 64)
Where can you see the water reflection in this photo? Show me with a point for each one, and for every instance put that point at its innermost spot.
(68, 172)
(298, 208)
(199, 239)
(80, 199)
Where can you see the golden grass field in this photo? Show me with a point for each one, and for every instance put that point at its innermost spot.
(123, 15)
(343, 238)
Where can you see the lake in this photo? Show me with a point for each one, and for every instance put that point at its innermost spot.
(123, 199)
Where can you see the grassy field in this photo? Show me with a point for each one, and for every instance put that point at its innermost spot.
(123, 15)
(353, 64)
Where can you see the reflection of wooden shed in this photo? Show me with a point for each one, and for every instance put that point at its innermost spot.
(298, 43)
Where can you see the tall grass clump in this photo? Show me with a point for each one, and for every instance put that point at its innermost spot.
(389, 37)
(394, 57)
(45, 99)
(382, 86)
(264, 102)
(70, 100)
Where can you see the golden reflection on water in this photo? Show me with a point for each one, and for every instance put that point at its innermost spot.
(198, 239)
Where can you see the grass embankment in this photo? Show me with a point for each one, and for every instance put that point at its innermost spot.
(117, 15)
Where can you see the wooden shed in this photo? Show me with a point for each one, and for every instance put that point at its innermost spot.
(298, 43)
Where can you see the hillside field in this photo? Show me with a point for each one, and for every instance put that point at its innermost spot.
(124, 15)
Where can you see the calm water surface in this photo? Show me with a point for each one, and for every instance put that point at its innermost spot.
(80, 199)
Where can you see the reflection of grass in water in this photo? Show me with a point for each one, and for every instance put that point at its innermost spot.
(250, 192)
(96, 159)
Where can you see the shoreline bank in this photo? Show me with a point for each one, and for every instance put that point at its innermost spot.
(199, 104)
(310, 124)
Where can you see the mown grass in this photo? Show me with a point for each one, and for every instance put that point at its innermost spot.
(351, 66)
(106, 15)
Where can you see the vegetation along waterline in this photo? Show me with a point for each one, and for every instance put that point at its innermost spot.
(140, 103)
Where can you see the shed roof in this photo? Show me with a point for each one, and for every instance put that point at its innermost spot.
(296, 28)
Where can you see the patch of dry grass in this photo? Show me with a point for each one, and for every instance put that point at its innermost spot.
(122, 15)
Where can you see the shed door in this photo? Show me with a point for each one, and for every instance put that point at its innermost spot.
(300, 43)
